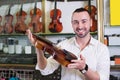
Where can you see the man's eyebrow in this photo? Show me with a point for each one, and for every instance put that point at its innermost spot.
(84, 20)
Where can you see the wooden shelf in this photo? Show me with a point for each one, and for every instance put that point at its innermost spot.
(44, 34)
(4, 2)
(115, 68)
(17, 66)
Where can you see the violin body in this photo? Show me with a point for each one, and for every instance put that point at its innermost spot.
(1, 27)
(55, 25)
(94, 26)
(20, 24)
(35, 24)
(8, 27)
(94, 21)
(63, 56)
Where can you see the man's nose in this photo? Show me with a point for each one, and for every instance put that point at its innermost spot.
(80, 24)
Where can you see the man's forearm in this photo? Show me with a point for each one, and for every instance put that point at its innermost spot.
(41, 59)
(91, 75)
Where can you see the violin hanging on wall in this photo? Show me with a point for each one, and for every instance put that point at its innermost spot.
(55, 25)
(35, 23)
(8, 26)
(93, 11)
(20, 24)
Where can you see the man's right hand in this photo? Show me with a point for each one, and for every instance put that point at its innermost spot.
(30, 37)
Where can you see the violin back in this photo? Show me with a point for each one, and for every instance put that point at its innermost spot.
(35, 24)
(55, 25)
(93, 11)
(20, 24)
(8, 26)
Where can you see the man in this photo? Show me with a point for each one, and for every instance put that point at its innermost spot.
(93, 61)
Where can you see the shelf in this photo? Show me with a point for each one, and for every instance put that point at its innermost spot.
(115, 67)
(17, 66)
(22, 59)
(44, 34)
(4, 2)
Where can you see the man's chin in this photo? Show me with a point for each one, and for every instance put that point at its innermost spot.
(80, 35)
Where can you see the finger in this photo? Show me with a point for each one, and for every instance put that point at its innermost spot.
(30, 36)
(81, 57)
(71, 66)
(75, 61)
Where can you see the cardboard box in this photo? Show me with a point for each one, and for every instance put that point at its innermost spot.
(117, 60)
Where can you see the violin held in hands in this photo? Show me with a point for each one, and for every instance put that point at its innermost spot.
(63, 56)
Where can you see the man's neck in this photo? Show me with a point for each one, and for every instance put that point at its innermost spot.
(83, 42)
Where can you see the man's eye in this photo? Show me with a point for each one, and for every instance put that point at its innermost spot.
(75, 22)
(84, 21)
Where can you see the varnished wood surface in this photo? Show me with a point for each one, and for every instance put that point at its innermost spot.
(115, 68)
(17, 66)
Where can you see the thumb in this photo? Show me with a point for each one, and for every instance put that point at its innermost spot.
(81, 57)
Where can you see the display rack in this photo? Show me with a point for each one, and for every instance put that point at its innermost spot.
(5, 2)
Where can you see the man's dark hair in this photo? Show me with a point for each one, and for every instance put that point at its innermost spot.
(81, 10)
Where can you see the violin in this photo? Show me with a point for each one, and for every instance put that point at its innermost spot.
(20, 24)
(63, 56)
(55, 25)
(1, 28)
(35, 24)
(8, 27)
(93, 11)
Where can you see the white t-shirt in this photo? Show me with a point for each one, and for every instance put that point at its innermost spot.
(96, 55)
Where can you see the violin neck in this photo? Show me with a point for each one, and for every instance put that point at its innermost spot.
(9, 10)
(35, 8)
(55, 9)
(41, 39)
(21, 9)
(89, 6)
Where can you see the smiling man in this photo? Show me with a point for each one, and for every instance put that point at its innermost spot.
(93, 61)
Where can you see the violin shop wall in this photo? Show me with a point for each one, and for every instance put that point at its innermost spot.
(111, 30)
(16, 8)
(66, 9)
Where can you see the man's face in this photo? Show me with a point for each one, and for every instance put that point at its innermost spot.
(81, 23)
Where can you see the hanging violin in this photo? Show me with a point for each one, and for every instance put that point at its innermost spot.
(20, 24)
(8, 26)
(35, 23)
(93, 11)
(1, 27)
(55, 25)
